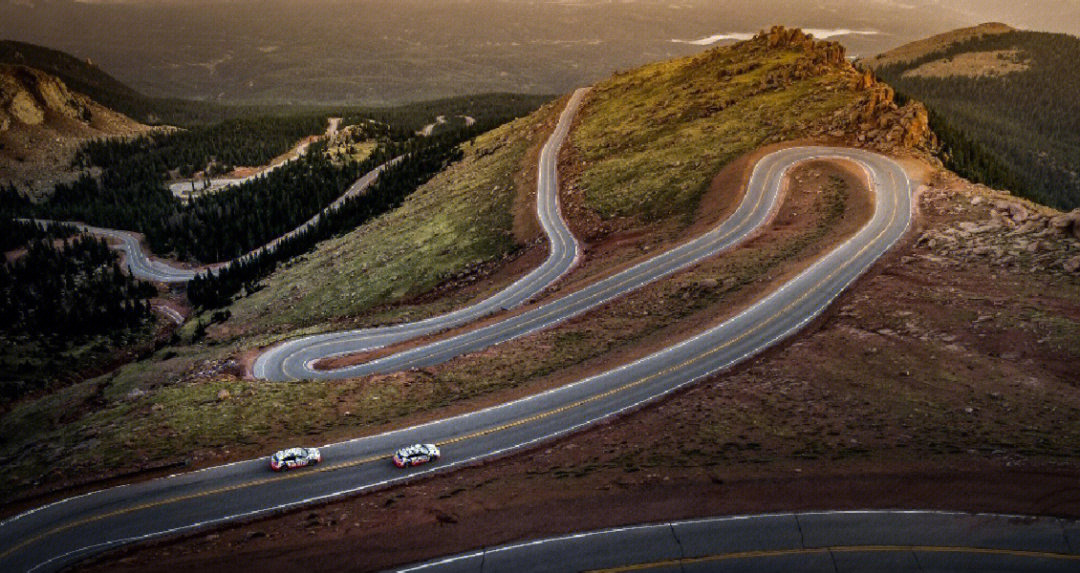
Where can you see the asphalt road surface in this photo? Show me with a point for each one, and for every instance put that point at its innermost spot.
(296, 359)
(825, 542)
(139, 263)
(50, 537)
(289, 360)
(198, 187)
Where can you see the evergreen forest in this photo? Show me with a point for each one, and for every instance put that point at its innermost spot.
(56, 299)
(1020, 130)
(214, 289)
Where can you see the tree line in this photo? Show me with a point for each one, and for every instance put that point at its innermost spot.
(211, 228)
(214, 289)
(217, 148)
(76, 288)
(1025, 125)
(224, 225)
(15, 233)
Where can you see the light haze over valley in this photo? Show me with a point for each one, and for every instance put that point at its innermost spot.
(387, 51)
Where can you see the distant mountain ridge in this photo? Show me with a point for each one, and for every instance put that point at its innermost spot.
(79, 75)
(85, 77)
(927, 46)
(1004, 103)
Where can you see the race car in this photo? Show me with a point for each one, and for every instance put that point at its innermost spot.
(416, 454)
(294, 458)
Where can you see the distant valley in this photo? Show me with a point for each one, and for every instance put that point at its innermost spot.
(378, 52)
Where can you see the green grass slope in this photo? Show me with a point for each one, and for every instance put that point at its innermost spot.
(652, 139)
(461, 219)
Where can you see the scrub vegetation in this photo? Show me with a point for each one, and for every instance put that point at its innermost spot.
(652, 139)
(461, 219)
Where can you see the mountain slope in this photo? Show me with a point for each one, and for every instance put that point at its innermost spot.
(471, 230)
(928, 370)
(79, 75)
(651, 140)
(1005, 106)
(936, 43)
(42, 123)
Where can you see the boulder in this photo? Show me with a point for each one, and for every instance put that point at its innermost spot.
(1072, 265)
(1067, 223)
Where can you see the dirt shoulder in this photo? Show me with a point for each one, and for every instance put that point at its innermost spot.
(612, 251)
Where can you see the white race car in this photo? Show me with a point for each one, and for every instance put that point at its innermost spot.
(416, 454)
(294, 458)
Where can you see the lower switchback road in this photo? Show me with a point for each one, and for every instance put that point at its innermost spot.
(56, 535)
(825, 542)
(296, 359)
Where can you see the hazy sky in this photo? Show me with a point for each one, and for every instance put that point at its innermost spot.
(389, 50)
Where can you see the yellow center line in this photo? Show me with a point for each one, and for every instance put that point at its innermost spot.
(841, 549)
(473, 435)
(187, 497)
(689, 361)
(615, 287)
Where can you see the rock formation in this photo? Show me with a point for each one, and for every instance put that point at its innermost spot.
(28, 95)
(876, 121)
(42, 123)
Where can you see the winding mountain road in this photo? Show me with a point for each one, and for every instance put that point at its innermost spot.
(290, 360)
(144, 267)
(296, 359)
(50, 537)
(181, 189)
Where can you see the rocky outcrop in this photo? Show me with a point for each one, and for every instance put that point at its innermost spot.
(28, 96)
(1068, 223)
(42, 125)
(875, 120)
(1002, 230)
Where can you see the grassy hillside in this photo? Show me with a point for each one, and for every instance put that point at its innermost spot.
(652, 139)
(1005, 106)
(468, 222)
(461, 219)
(935, 43)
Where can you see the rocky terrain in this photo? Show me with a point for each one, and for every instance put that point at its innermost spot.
(943, 378)
(42, 124)
(1012, 234)
(873, 119)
